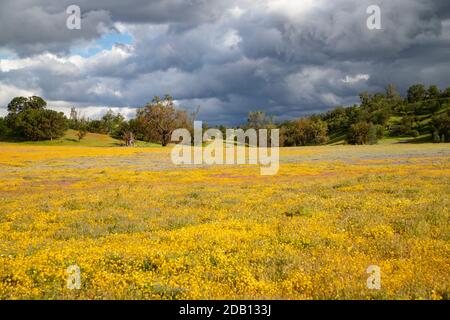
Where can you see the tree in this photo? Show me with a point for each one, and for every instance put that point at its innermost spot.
(362, 133)
(111, 122)
(4, 130)
(380, 116)
(394, 100)
(304, 131)
(338, 120)
(446, 93)
(128, 138)
(441, 127)
(391, 92)
(160, 118)
(28, 118)
(82, 130)
(19, 104)
(73, 114)
(407, 126)
(433, 92)
(41, 124)
(81, 133)
(258, 120)
(365, 98)
(301, 132)
(96, 126)
(355, 114)
(73, 119)
(416, 93)
(319, 132)
(372, 137)
(379, 131)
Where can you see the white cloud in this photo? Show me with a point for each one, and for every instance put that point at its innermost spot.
(236, 12)
(7, 65)
(7, 92)
(356, 78)
(292, 8)
(231, 39)
(91, 112)
(330, 99)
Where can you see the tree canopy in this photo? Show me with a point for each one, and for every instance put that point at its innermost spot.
(29, 119)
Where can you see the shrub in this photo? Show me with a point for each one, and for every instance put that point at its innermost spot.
(81, 133)
(362, 133)
(441, 127)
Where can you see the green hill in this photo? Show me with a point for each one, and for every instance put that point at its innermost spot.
(70, 138)
(415, 117)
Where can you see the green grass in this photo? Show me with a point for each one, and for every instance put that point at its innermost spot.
(70, 138)
(426, 138)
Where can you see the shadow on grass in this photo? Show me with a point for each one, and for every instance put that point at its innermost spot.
(422, 139)
(12, 139)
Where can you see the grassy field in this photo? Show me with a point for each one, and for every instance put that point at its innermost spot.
(140, 228)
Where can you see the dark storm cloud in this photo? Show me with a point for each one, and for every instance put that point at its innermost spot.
(288, 57)
(30, 26)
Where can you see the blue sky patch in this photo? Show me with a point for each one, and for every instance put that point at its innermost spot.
(106, 42)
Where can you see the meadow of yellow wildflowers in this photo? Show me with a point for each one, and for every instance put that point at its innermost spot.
(140, 228)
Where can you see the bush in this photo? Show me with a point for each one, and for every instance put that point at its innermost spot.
(81, 133)
(363, 133)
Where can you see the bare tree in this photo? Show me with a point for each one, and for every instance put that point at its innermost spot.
(128, 137)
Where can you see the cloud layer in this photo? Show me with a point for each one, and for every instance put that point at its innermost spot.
(287, 57)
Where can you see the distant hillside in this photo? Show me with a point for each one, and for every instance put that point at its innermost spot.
(422, 121)
(422, 116)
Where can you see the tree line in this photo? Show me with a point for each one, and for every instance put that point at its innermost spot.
(28, 119)
(423, 111)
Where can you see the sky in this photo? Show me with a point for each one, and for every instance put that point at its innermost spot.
(290, 58)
